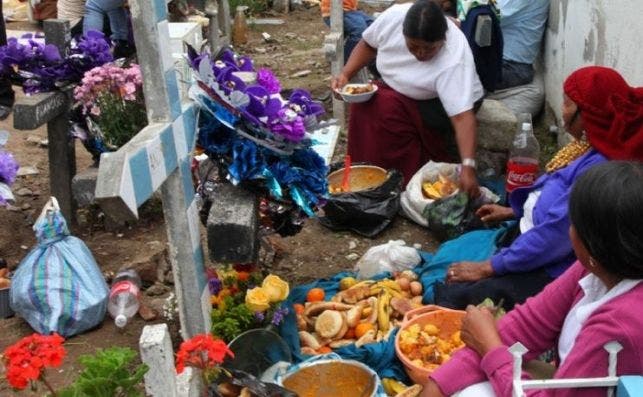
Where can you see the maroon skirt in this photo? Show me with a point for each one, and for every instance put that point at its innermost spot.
(388, 131)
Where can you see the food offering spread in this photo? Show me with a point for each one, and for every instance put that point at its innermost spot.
(360, 313)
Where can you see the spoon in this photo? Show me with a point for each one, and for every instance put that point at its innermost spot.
(346, 186)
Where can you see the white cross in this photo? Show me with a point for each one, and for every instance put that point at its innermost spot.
(159, 157)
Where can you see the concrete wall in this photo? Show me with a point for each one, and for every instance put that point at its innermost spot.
(592, 32)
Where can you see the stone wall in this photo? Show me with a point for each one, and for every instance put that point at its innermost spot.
(591, 32)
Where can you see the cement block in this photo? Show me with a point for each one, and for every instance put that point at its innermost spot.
(83, 186)
(189, 383)
(496, 126)
(156, 351)
(233, 225)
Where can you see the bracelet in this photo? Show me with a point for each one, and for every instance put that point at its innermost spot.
(469, 162)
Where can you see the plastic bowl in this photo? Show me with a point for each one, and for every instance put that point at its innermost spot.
(447, 320)
(357, 98)
(361, 177)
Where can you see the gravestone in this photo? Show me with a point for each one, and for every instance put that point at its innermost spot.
(158, 157)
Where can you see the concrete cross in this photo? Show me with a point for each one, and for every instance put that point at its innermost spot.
(159, 157)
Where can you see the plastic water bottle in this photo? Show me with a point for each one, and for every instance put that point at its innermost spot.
(124, 297)
(522, 167)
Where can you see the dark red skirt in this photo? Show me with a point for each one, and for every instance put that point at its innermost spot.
(388, 131)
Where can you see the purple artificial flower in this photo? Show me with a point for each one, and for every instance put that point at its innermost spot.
(8, 168)
(302, 103)
(278, 315)
(215, 285)
(268, 80)
(228, 82)
(288, 124)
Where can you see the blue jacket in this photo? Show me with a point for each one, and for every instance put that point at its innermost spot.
(547, 244)
(488, 60)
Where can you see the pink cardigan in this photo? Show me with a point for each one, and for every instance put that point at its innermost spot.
(537, 325)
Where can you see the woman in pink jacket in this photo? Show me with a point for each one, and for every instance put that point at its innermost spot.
(597, 300)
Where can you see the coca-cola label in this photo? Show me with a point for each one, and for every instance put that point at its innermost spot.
(124, 286)
(520, 174)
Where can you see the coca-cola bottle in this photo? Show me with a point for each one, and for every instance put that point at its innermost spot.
(522, 167)
(124, 297)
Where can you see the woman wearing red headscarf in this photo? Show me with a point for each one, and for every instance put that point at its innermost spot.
(596, 300)
(605, 116)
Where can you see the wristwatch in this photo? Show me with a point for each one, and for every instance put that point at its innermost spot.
(469, 162)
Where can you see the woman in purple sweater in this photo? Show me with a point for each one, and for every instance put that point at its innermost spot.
(594, 302)
(605, 115)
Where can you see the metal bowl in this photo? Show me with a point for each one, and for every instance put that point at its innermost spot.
(361, 177)
(332, 378)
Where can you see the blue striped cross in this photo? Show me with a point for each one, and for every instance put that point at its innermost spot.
(159, 157)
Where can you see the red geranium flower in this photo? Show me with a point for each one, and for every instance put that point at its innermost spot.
(26, 359)
(202, 351)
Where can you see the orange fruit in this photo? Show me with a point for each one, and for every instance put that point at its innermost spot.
(324, 350)
(315, 295)
(243, 276)
(298, 308)
(363, 328)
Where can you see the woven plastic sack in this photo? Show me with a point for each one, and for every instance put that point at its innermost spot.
(58, 287)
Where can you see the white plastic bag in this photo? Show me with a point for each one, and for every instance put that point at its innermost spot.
(413, 201)
(389, 257)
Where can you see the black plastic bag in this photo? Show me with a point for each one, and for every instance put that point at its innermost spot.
(366, 212)
(452, 216)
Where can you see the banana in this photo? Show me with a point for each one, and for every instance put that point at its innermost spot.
(392, 387)
(384, 311)
(388, 387)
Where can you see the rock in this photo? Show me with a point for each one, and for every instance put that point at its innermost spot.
(83, 186)
(24, 247)
(291, 35)
(352, 256)
(352, 245)
(266, 37)
(496, 126)
(25, 206)
(36, 192)
(44, 142)
(157, 289)
(28, 170)
(12, 208)
(147, 313)
(33, 139)
(260, 50)
(302, 73)
(23, 191)
(233, 225)
(152, 264)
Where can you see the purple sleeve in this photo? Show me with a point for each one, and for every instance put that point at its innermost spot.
(544, 244)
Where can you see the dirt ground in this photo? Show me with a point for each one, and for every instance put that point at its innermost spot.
(313, 253)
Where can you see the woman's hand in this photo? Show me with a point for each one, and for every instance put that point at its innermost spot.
(337, 83)
(460, 272)
(494, 213)
(479, 330)
(469, 182)
(431, 389)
